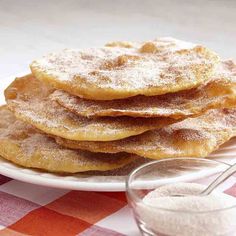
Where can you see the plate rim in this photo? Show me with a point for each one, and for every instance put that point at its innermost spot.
(40, 179)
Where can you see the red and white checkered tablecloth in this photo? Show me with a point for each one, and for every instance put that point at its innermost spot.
(27, 209)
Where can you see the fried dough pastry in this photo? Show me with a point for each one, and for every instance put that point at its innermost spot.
(28, 99)
(192, 137)
(119, 71)
(22, 144)
(219, 92)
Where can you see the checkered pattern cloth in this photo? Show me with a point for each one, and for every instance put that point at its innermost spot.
(27, 209)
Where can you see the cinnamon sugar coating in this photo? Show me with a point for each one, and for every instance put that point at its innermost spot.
(28, 99)
(192, 137)
(24, 145)
(122, 70)
(218, 92)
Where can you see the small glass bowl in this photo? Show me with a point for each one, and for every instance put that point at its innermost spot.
(154, 174)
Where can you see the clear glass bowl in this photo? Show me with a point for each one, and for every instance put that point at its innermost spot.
(153, 220)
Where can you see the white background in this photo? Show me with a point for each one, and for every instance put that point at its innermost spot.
(30, 28)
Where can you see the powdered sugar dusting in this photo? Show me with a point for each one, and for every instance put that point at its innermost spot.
(31, 103)
(28, 147)
(219, 92)
(192, 137)
(150, 68)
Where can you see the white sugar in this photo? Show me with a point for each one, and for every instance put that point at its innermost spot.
(187, 216)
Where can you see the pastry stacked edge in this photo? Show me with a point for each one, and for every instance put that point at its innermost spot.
(102, 108)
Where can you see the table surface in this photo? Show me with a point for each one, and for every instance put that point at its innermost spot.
(30, 28)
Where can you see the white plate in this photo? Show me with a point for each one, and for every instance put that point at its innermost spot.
(95, 182)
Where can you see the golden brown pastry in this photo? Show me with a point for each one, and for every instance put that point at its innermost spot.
(28, 99)
(119, 71)
(22, 144)
(192, 137)
(219, 92)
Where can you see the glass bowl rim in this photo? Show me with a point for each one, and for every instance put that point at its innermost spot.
(129, 192)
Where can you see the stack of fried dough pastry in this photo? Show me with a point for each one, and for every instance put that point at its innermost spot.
(102, 108)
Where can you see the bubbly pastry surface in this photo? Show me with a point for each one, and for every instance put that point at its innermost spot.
(22, 144)
(120, 70)
(192, 137)
(219, 92)
(28, 99)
